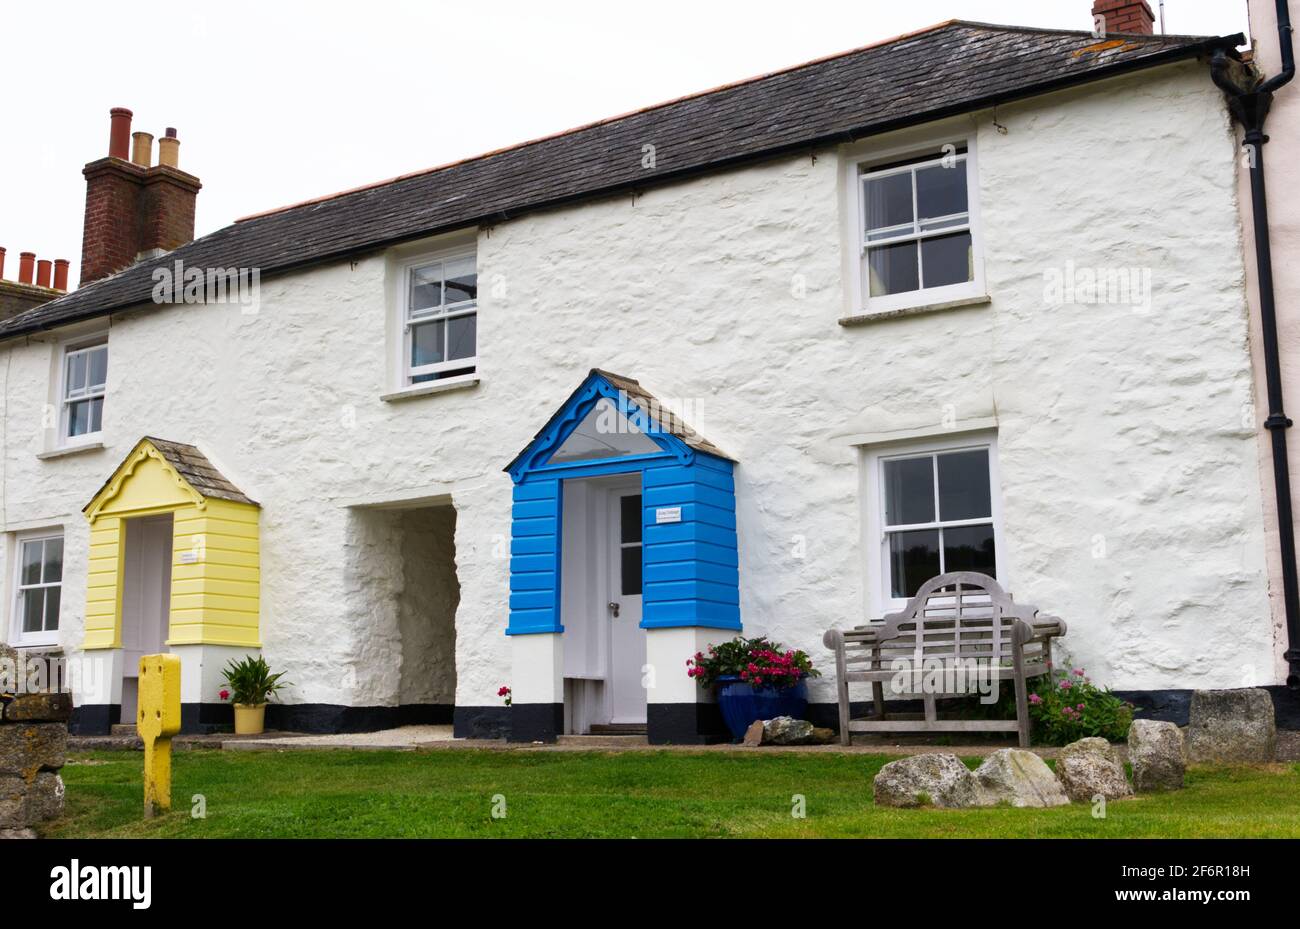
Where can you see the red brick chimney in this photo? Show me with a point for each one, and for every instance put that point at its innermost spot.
(34, 285)
(134, 209)
(1125, 16)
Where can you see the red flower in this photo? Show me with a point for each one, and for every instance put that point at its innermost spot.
(224, 695)
(504, 691)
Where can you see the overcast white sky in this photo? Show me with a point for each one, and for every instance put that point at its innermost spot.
(276, 102)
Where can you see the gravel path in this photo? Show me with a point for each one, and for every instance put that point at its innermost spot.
(404, 738)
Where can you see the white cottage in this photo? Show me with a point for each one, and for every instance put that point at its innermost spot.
(759, 359)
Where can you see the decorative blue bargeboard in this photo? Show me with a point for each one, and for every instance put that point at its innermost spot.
(690, 568)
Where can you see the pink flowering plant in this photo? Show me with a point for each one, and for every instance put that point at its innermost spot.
(754, 661)
(1066, 706)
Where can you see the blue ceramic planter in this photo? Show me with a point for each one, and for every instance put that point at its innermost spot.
(743, 703)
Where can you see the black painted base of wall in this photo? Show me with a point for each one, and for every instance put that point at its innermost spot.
(331, 717)
(481, 722)
(685, 724)
(94, 719)
(667, 723)
(1175, 705)
(204, 718)
(536, 722)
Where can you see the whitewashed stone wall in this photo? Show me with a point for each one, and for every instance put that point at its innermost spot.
(1114, 426)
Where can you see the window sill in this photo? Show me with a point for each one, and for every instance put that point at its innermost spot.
(50, 648)
(432, 387)
(70, 450)
(864, 319)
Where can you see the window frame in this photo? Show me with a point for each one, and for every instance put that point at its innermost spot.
(857, 167)
(406, 325)
(17, 637)
(66, 351)
(880, 600)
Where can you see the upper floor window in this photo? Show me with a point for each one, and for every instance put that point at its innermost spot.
(934, 511)
(918, 236)
(84, 374)
(38, 588)
(440, 319)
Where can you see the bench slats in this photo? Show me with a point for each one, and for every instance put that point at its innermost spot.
(961, 623)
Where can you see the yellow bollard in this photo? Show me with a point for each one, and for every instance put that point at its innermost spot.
(159, 719)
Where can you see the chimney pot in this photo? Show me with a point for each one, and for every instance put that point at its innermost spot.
(169, 150)
(26, 267)
(43, 268)
(119, 133)
(142, 148)
(2, 262)
(1125, 16)
(60, 273)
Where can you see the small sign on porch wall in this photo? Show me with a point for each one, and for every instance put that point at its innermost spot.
(668, 514)
(189, 557)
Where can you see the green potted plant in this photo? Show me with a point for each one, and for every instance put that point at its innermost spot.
(250, 683)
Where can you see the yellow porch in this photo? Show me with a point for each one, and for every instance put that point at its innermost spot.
(215, 572)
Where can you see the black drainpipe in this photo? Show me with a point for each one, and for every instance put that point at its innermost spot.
(1249, 105)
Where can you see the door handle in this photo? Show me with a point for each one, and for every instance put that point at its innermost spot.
(613, 608)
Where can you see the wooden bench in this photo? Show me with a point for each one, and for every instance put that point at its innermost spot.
(963, 621)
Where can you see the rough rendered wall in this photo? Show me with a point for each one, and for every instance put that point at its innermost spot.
(724, 292)
(427, 608)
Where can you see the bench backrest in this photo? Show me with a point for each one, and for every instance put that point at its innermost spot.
(962, 615)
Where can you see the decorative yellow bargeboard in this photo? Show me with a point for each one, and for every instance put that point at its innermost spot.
(215, 579)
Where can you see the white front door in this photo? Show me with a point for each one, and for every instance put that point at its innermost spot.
(627, 693)
(146, 598)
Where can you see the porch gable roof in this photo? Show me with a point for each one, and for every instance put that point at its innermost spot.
(661, 424)
(194, 474)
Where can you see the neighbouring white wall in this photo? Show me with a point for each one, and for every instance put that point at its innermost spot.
(722, 295)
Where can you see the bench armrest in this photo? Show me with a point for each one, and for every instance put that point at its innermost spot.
(1045, 626)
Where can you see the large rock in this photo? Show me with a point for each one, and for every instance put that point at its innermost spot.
(1090, 746)
(823, 735)
(786, 730)
(1232, 726)
(55, 707)
(45, 797)
(26, 748)
(1091, 768)
(939, 779)
(1020, 778)
(13, 802)
(1157, 754)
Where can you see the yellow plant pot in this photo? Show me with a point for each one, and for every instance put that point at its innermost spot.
(250, 719)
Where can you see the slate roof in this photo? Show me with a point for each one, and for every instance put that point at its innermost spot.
(667, 421)
(947, 69)
(194, 467)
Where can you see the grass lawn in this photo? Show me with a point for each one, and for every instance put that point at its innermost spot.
(449, 793)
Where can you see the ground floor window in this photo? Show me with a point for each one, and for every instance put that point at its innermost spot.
(931, 509)
(38, 588)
